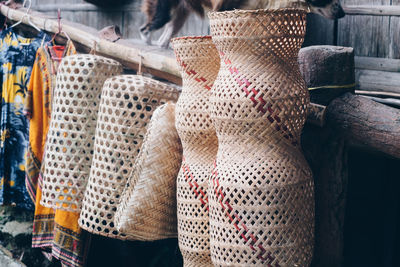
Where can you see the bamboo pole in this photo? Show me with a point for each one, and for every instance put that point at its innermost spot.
(154, 60)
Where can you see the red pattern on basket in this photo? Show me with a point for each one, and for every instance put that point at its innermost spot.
(198, 191)
(236, 220)
(193, 72)
(252, 93)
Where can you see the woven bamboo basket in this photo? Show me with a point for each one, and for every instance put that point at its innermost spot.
(70, 138)
(147, 210)
(127, 104)
(261, 191)
(198, 60)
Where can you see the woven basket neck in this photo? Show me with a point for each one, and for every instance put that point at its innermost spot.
(260, 33)
(198, 62)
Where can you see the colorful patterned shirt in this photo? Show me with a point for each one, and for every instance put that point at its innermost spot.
(17, 55)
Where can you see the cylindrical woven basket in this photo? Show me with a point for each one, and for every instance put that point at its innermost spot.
(198, 60)
(261, 191)
(147, 210)
(127, 104)
(69, 146)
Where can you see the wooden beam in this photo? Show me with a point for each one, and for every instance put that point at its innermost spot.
(375, 63)
(155, 61)
(366, 123)
(373, 80)
(370, 10)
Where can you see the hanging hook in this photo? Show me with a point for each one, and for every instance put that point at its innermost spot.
(59, 28)
(26, 15)
(29, 7)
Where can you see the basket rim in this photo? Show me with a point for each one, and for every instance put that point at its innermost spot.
(265, 11)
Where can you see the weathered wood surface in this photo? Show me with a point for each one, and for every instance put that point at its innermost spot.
(328, 71)
(372, 10)
(371, 27)
(350, 120)
(368, 35)
(388, 101)
(326, 152)
(376, 63)
(395, 33)
(373, 80)
(366, 123)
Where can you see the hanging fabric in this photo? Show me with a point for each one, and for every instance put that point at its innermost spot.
(54, 230)
(17, 55)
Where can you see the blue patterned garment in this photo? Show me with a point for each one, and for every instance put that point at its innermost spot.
(17, 55)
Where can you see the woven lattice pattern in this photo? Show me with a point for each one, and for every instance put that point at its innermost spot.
(199, 63)
(148, 205)
(261, 190)
(274, 4)
(127, 104)
(69, 146)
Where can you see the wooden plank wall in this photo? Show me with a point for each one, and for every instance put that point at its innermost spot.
(372, 27)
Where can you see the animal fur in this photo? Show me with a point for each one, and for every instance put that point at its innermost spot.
(173, 13)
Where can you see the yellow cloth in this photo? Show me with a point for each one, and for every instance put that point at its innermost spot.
(56, 230)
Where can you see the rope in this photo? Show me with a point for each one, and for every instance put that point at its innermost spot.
(94, 48)
(352, 85)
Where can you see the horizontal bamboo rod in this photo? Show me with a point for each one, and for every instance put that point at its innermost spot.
(154, 60)
(83, 7)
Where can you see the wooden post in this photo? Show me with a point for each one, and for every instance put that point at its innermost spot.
(366, 123)
(326, 153)
(330, 71)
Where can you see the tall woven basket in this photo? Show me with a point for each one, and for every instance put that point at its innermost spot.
(69, 146)
(148, 205)
(261, 192)
(199, 63)
(127, 104)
